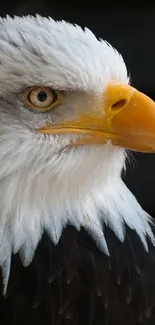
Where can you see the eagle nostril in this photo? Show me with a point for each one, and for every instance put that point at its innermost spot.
(120, 104)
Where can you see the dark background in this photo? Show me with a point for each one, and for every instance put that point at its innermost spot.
(131, 29)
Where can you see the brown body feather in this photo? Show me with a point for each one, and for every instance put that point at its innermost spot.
(74, 283)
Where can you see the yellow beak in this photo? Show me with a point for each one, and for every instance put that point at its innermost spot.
(122, 115)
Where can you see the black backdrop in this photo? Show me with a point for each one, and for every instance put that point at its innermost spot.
(131, 30)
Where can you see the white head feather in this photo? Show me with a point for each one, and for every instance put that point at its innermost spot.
(43, 184)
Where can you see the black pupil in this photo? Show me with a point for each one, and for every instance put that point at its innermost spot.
(42, 96)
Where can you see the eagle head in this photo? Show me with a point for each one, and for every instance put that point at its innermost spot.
(67, 114)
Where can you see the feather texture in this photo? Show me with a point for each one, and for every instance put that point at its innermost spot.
(74, 242)
(75, 283)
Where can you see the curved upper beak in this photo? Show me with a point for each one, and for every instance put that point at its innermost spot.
(122, 115)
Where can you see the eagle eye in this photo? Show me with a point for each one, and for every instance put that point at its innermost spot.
(41, 99)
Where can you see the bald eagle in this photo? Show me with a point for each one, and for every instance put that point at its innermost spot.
(76, 247)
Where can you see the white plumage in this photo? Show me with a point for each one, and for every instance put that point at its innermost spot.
(45, 185)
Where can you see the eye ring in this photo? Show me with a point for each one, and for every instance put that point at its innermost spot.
(41, 99)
